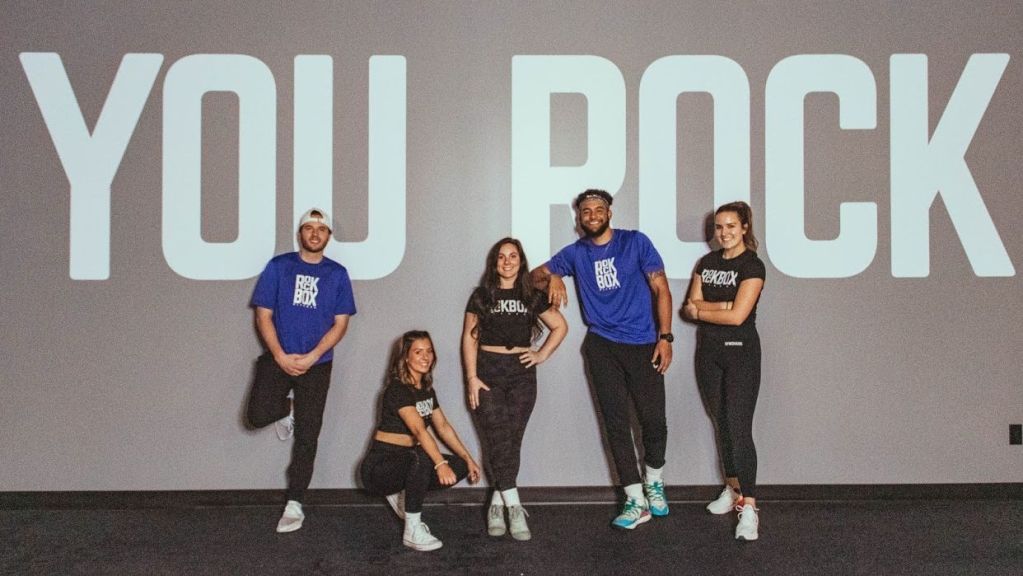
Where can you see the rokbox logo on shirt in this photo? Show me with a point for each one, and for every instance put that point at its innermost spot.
(305, 290)
(719, 277)
(607, 274)
(509, 307)
(425, 407)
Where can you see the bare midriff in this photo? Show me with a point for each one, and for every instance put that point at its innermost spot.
(394, 438)
(504, 349)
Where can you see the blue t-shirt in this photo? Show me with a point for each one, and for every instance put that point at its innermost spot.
(612, 282)
(304, 299)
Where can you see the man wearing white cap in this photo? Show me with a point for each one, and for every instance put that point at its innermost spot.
(303, 301)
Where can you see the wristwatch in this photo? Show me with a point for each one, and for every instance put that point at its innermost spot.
(667, 336)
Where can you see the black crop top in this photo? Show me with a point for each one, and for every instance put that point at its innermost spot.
(507, 323)
(720, 279)
(398, 396)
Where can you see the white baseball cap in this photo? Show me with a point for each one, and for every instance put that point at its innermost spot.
(316, 216)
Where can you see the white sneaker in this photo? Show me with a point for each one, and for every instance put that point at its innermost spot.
(420, 539)
(655, 498)
(725, 503)
(286, 426)
(397, 502)
(292, 518)
(633, 514)
(517, 523)
(748, 523)
(495, 520)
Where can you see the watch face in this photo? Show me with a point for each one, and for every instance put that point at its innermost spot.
(669, 337)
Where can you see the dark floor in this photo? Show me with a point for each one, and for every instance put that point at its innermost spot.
(846, 537)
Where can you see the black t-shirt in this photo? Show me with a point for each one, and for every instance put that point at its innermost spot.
(508, 321)
(398, 396)
(720, 283)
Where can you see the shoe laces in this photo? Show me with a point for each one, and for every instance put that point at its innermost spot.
(747, 513)
(496, 511)
(632, 509)
(655, 491)
(516, 510)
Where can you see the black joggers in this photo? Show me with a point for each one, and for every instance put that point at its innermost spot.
(621, 373)
(268, 403)
(389, 469)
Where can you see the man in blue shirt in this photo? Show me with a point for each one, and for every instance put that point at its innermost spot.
(303, 301)
(626, 305)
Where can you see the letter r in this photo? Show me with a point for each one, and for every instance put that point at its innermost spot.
(536, 185)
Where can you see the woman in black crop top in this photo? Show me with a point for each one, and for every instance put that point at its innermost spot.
(404, 461)
(503, 318)
(723, 298)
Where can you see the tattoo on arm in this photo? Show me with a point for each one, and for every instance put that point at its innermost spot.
(654, 275)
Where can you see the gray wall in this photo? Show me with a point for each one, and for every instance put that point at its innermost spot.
(138, 381)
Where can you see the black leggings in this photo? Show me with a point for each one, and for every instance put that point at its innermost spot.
(728, 374)
(503, 413)
(621, 372)
(268, 403)
(389, 469)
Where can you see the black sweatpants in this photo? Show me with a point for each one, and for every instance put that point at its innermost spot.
(621, 373)
(389, 469)
(728, 375)
(503, 413)
(268, 403)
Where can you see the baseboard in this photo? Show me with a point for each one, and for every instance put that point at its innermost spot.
(535, 495)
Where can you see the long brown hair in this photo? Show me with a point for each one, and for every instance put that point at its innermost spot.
(399, 369)
(523, 287)
(745, 214)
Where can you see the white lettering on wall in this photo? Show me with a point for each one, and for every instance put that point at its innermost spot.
(662, 83)
(787, 85)
(382, 250)
(922, 167)
(183, 246)
(536, 185)
(90, 160)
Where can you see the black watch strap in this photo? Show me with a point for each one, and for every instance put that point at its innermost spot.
(667, 336)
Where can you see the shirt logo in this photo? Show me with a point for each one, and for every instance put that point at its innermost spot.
(719, 277)
(607, 274)
(425, 407)
(508, 307)
(305, 291)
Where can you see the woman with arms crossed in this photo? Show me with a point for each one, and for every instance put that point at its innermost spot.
(502, 320)
(404, 461)
(723, 301)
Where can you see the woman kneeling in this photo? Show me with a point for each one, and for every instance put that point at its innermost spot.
(404, 462)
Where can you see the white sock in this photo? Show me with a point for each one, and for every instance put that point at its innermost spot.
(496, 500)
(511, 497)
(412, 521)
(635, 491)
(654, 474)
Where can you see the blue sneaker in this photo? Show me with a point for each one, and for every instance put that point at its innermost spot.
(633, 514)
(655, 498)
